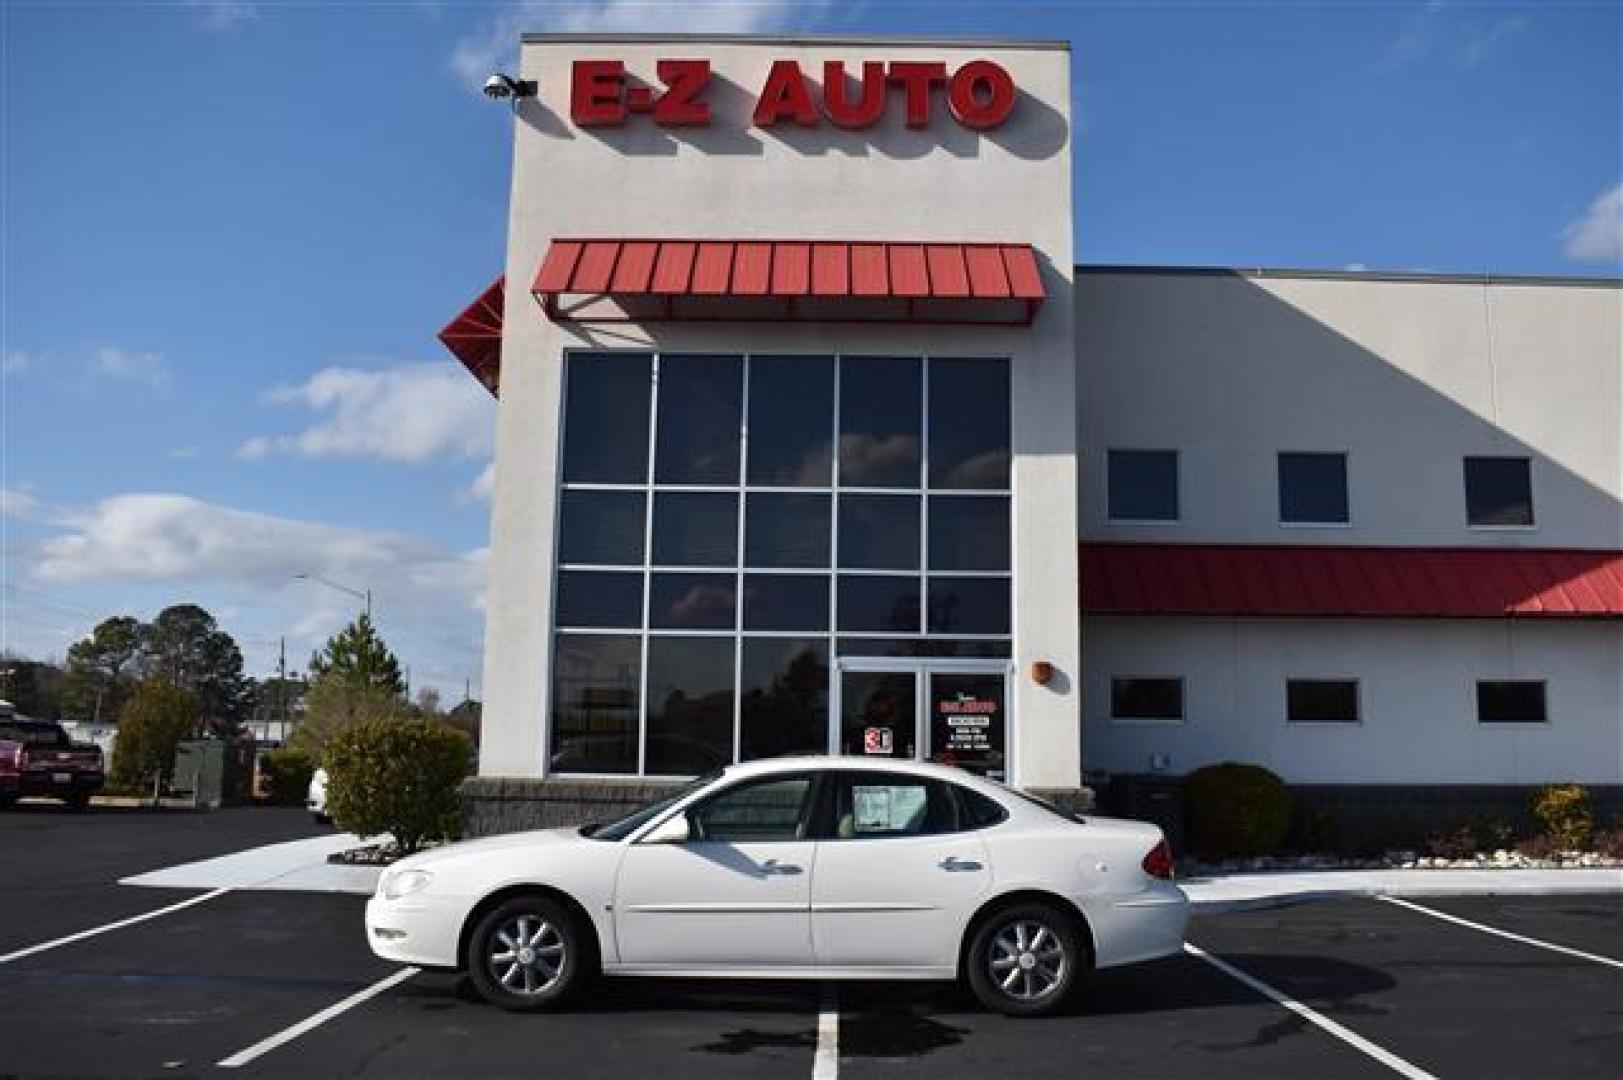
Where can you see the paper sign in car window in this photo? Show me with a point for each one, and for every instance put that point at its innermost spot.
(887, 809)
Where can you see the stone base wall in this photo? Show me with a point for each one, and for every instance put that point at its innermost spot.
(504, 804)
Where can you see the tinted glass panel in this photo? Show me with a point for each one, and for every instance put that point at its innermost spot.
(791, 430)
(695, 528)
(879, 604)
(878, 713)
(784, 703)
(692, 601)
(1505, 702)
(606, 418)
(786, 602)
(1146, 699)
(872, 646)
(1143, 485)
(609, 599)
(1321, 701)
(1313, 488)
(969, 606)
(968, 721)
(690, 704)
(881, 402)
(766, 810)
(879, 805)
(976, 811)
(786, 530)
(700, 405)
(595, 680)
(969, 423)
(879, 532)
(1498, 491)
(601, 527)
(969, 532)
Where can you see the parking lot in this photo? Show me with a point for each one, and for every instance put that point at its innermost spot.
(1345, 988)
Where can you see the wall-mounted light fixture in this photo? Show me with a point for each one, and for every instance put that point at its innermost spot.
(1042, 672)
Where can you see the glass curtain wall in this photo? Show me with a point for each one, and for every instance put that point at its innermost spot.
(729, 524)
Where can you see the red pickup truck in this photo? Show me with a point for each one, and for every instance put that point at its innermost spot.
(38, 758)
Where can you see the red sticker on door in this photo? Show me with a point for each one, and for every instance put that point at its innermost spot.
(878, 740)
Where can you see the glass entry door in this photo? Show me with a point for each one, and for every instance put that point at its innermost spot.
(951, 711)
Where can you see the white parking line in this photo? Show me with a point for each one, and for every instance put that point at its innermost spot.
(1446, 917)
(826, 1062)
(1351, 1038)
(119, 925)
(287, 1035)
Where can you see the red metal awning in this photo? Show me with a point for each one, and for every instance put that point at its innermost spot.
(604, 280)
(475, 336)
(1222, 579)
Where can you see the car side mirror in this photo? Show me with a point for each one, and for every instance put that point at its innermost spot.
(673, 830)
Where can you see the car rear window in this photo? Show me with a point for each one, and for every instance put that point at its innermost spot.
(33, 734)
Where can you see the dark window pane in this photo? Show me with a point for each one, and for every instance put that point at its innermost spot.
(1510, 702)
(784, 703)
(695, 528)
(1146, 699)
(976, 811)
(880, 421)
(606, 418)
(692, 601)
(594, 703)
(879, 532)
(786, 602)
(786, 530)
(690, 704)
(1143, 485)
(762, 811)
(601, 527)
(1313, 488)
(700, 400)
(590, 598)
(878, 713)
(1498, 491)
(869, 646)
(969, 423)
(879, 604)
(791, 428)
(969, 532)
(969, 606)
(1321, 701)
(969, 720)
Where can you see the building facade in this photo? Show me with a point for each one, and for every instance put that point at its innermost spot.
(813, 436)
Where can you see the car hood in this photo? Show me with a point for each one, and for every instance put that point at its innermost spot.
(528, 841)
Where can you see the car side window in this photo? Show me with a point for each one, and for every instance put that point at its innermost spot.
(876, 805)
(976, 811)
(764, 810)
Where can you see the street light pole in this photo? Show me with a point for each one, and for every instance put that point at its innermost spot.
(359, 594)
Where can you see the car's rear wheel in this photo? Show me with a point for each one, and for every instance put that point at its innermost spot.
(1025, 959)
(529, 953)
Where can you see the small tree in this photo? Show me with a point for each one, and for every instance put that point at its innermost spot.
(399, 777)
(150, 727)
(333, 705)
(358, 657)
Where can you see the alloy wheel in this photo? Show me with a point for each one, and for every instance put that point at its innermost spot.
(1027, 960)
(525, 955)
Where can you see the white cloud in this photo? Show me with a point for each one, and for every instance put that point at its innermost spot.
(1357, 267)
(149, 368)
(411, 414)
(483, 487)
(19, 504)
(16, 363)
(221, 15)
(1598, 235)
(1438, 30)
(493, 45)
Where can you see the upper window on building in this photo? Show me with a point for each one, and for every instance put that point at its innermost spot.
(1313, 488)
(1510, 701)
(1143, 485)
(1499, 491)
(1321, 701)
(1144, 698)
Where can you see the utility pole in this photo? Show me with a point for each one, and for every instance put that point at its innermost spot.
(281, 686)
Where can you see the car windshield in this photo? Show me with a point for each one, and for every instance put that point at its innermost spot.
(619, 830)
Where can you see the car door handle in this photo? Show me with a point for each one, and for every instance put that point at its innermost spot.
(773, 866)
(954, 865)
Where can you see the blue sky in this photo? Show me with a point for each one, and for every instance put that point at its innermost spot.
(232, 229)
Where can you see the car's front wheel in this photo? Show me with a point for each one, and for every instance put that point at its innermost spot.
(1025, 960)
(527, 954)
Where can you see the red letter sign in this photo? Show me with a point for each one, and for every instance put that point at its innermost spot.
(919, 78)
(867, 109)
(597, 98)
(684, 81)
(981, 95)
(785, 97)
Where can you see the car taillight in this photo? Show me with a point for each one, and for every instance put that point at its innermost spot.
(1158, 863)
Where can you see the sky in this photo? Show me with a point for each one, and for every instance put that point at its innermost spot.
(231, 231)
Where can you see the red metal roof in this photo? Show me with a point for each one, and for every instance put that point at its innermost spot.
(813, 280)
(1221, 579)
(475, 336)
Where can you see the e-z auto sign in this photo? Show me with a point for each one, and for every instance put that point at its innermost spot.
(979, 94)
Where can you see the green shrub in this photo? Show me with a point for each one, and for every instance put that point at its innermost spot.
(399, 777)
(1236, 809)
(287, 775)
(1564, 811)
(151, 725)
(1313, 831)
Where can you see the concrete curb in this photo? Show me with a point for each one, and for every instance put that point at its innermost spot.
(1257, 891)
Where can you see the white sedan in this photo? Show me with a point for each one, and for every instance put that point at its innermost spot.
(817, 867)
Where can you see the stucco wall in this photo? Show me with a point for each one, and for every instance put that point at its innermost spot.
(1416, 690)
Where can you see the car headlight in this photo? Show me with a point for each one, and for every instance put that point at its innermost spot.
(405, 883)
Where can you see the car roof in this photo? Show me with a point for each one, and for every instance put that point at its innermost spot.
(829, 762)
